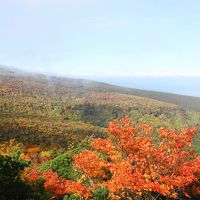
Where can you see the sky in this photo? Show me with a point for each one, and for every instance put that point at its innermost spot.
(109, 40)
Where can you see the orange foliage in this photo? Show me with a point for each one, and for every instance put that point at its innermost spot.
(58, 186)
(33, 150)
(7, 148)
(133, 163)
(31, 154)
(94, 165)
(31, 175)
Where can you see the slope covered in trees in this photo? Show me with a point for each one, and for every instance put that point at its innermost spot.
(33, 106)
(55, 144)
(127, 163)
(80, 86)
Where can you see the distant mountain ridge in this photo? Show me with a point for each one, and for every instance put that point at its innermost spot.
(82, 85)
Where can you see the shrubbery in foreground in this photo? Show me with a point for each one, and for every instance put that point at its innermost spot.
(130, 164)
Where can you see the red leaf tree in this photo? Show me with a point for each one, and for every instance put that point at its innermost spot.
(53, 183)
(130, 163)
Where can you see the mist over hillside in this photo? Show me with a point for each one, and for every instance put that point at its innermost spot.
(85, 85)
(176, 84)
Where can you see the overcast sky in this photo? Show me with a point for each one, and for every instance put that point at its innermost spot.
(108, 37)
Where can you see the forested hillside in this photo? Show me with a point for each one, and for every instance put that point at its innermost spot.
(81, 86)
(55, 144)
(63, 104)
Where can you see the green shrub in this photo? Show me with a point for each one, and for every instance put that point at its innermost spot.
(101, 193)
(11, 186)
(62, 165)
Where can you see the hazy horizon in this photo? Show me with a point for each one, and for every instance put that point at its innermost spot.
(183, 85)
(112, 41)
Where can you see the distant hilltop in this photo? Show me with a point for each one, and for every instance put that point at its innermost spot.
(82, 85)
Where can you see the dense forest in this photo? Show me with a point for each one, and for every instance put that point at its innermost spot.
(64, 138)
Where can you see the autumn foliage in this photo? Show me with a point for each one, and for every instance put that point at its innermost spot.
(58, 186)
(130, 163)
